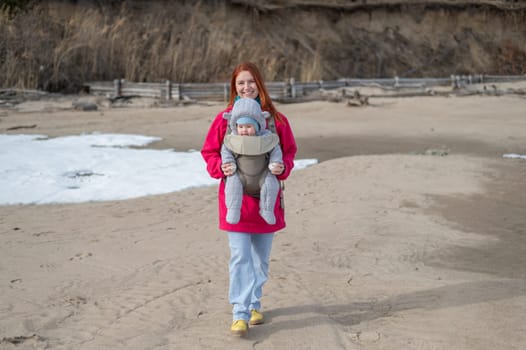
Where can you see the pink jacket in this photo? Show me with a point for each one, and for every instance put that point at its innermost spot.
(250, 221)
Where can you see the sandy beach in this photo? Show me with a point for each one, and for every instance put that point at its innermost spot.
(409, 234)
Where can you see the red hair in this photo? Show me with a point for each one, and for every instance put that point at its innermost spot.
(264, 97)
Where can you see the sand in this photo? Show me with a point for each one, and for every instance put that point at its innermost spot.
(409, 234)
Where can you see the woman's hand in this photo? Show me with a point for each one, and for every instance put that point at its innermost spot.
(228, 168)
(276, 168)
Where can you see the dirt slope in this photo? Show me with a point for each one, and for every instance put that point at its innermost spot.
(59, 45)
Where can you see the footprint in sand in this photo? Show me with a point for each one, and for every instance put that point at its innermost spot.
(365, 337)
(76, 301)
(80, 256)
(34, 339)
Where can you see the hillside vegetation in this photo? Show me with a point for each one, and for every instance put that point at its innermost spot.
(58, 45)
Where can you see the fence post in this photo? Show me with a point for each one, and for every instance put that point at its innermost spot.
(292, 84)
(117, 87)
(179, 91)
(454, 81)
(168, 85)
(397, 81)
(225, 92)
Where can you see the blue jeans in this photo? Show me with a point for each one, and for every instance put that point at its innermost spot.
(248, 268)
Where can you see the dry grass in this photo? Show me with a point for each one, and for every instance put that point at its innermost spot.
(267, 5)
(58, 45)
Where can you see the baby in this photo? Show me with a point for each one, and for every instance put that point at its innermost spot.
(251, 150)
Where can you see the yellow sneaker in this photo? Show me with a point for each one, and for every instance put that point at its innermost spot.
(239, 328)
(256, 317)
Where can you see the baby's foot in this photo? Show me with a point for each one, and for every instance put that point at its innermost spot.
(268, 216)
(233, 216)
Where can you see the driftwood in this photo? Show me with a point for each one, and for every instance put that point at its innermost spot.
(32, 126)
(11, 97)
(358, 100)
(85, 106)
(359, 97)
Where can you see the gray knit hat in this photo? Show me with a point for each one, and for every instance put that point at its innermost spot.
(248, 120)
(247, 107)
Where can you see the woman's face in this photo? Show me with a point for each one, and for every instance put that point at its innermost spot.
(246, 85)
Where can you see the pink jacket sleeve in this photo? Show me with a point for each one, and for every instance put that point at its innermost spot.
(288, 146)
(211, 150)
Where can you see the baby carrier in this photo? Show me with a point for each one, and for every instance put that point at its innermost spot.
(252, 155)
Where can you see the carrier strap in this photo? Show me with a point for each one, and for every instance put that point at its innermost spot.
(271, 125)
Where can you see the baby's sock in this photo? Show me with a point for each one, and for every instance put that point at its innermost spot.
(268, 216)
(233, 215)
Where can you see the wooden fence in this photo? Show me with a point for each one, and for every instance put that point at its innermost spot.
(279, 91)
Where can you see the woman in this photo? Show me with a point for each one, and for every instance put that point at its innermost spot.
(250, 240)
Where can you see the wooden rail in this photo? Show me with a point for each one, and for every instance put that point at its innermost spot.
(279, 91)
